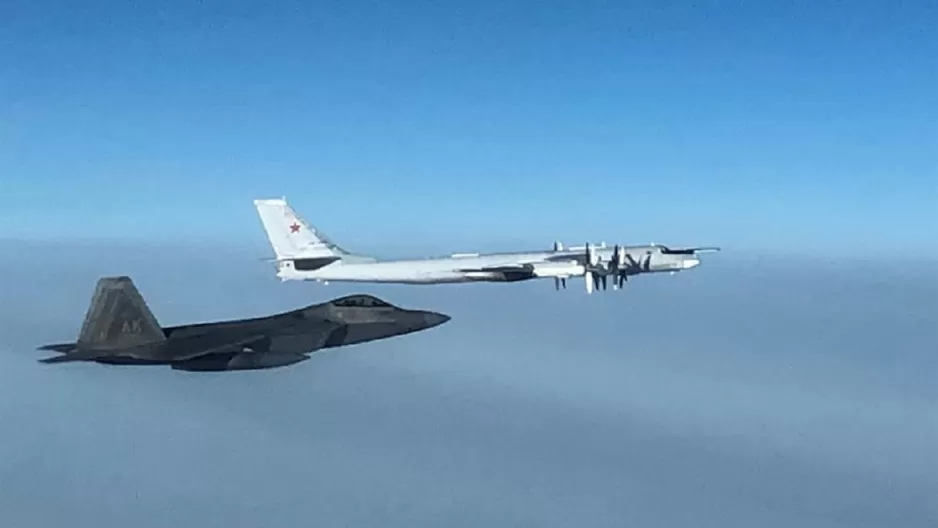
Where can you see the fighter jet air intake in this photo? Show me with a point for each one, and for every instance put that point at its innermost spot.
(119, 329)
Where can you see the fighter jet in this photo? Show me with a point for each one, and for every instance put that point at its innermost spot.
(120, 329)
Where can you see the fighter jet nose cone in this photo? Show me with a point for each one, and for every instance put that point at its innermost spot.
(435, 319)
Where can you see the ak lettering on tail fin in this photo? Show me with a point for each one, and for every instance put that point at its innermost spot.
(118, 317)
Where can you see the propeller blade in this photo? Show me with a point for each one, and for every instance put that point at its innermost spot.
(588, 278)
(557, 283)
(590, 255)
(630, 260)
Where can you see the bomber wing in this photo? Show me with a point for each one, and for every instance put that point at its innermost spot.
(567, 267)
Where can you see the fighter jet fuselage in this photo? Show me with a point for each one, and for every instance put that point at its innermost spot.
(119, 329)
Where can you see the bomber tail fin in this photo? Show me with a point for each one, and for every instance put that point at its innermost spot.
(118, 317)
(291, 236)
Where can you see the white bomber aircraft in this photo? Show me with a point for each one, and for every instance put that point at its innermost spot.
(305, 253)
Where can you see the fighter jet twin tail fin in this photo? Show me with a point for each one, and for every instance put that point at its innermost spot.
(117, 317)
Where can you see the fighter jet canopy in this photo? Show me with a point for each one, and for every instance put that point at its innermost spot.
(361, 301)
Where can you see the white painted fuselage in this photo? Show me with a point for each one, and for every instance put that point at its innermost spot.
(434, 270)
(305, 253)
(492, 267)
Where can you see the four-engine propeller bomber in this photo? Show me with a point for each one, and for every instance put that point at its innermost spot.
(120, 329)
(303, 252)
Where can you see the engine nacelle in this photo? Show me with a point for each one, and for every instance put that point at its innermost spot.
(558, 269)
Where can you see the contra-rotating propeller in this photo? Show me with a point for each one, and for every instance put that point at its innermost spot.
(627, 265)
(593, 275)
(617, 267)
(591, 260)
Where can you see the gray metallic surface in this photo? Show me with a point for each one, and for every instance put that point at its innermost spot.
(239, 361)
(119, 329)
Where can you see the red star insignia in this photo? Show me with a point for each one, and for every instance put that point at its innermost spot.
(295, 227)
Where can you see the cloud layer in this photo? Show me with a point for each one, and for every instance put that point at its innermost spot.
(757, 393)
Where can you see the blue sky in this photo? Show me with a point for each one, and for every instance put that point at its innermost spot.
(758, 126)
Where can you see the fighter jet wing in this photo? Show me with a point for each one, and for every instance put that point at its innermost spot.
(193, 349)
(239, 344)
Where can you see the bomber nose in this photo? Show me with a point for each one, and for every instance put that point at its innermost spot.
(434, 319)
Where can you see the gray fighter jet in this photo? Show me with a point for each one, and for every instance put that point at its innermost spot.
(119, 329)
